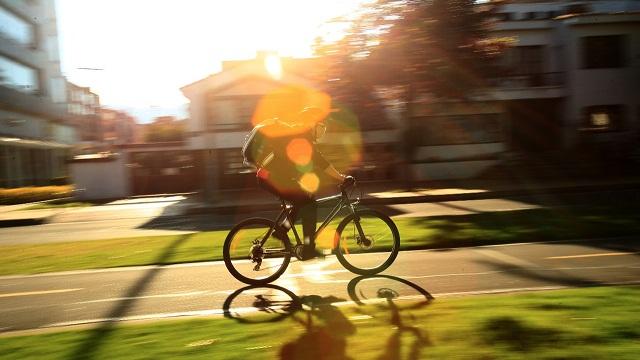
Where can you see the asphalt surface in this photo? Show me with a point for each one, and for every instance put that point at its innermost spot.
(102, 296)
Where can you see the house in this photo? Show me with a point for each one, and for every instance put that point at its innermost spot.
(36, 135)
(225, 106)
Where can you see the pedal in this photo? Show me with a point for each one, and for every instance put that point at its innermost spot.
(258, 264)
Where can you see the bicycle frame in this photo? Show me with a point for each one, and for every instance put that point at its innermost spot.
(344, 202)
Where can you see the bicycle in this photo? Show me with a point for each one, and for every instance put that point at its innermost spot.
(366, 241)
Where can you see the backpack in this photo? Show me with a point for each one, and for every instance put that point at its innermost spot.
(254, 150)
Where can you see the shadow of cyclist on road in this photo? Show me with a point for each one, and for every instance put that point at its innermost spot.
(326, 328)
(325, 336)
(399, 322)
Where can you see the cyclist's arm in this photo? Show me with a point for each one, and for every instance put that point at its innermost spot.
(322, 163)
(334, 174)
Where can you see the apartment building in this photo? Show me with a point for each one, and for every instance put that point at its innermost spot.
(116, 128)
(569, 91)
(35, 135)
(84, 111)
(573, 76)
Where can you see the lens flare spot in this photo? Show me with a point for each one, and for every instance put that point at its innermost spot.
(310, 182)
(299, 151)
(273, 66)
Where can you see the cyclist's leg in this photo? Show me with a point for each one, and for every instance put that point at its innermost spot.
(306, 208)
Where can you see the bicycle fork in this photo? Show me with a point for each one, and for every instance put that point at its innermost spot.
(362, 238)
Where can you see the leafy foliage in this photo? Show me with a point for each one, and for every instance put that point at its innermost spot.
(440, 47)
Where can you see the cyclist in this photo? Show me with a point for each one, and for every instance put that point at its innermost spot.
(291, 167)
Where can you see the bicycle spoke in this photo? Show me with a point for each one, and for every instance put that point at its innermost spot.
(252, 257)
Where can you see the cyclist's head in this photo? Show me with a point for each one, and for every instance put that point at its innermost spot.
(313, 118)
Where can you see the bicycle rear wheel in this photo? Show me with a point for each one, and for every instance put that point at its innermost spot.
(372, 253)
(250, 262)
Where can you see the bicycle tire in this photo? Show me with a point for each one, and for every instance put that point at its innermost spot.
(352, 255)
(237, 264)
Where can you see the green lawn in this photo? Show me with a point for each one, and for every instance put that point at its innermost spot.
(588, 323)
(416, 233)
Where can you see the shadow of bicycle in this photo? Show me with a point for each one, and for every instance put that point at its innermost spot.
(326, 327)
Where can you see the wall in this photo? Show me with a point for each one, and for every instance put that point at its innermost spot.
(100, 179)
(605, 86)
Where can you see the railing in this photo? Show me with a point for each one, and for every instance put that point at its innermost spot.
(529, 80)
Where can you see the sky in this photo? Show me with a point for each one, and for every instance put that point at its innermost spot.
(146, 50)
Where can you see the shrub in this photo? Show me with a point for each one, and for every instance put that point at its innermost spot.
(34, 193)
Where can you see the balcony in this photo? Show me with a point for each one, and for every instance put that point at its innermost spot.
(529, 86)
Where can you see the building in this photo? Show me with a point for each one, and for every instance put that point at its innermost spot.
(570, 93)
(35, 134)
(225, 106)
(574, 72)
(117, 128)
(84, 111)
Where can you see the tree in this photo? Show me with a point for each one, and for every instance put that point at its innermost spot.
(164, 129)
(439, 47)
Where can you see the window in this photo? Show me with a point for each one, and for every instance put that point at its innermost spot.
(458, 130)
(246, 106)
(18, 76)
(15, 28)
(603, 51)
(232, 162)
(230, 114)
(603, 118)
(577, 9)
(525, 60)
(506, 16)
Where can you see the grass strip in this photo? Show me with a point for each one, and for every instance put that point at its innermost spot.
(416, 233)
(564, 324)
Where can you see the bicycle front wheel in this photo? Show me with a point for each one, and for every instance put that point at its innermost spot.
(370, 249)
(251, 256)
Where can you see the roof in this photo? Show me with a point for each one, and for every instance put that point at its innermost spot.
(295, 71)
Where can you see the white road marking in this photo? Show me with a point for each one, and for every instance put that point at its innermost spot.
(44, 292)
(192, 293)
(591, 255)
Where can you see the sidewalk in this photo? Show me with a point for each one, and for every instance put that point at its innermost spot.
(134, 207)
(387, 193)
(257, 200)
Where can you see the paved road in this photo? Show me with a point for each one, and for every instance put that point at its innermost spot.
(52, 300)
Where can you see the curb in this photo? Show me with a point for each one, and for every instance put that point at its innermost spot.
(24, 222)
